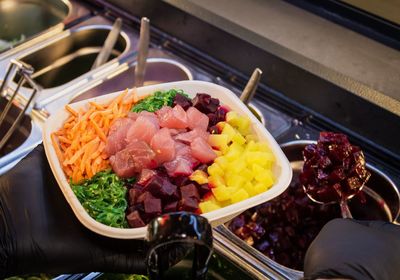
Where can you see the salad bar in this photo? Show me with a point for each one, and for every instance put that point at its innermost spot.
(267, 174)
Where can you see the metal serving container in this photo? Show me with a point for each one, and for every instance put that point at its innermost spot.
(23, 20)
(379, 182)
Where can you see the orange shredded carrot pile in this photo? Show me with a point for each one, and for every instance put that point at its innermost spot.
(80, 142)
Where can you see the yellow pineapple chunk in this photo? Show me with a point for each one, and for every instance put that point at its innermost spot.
(199, 177)
(216, 181)
(229, 131)
(239, 139)
(219, 141)
(222, 193)
(215, 170)
(239, 195)
(208, 206)
(266, 177)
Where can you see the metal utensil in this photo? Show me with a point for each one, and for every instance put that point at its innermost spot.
(143, 51)
(109, 44)
(251, 86)
(25, 71)
(344, 208)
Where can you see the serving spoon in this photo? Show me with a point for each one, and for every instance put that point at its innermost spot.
(343, 202)
(109, 43)
(143, 50)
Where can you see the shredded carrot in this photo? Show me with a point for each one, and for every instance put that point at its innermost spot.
(72, 111)
(81, 140)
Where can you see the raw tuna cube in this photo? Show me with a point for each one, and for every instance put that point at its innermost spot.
(162, 188)
(143, 128)
(188, 137)
(197, 119)
(145, 176)
(134, 220)
(172, 118)
(133, 159)
(179, 167)
(202, 151)
(163, 145)
(190, 191)
(117, 134)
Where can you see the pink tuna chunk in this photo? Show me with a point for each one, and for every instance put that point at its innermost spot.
(197, 119)
(172, 118)
(144, 128)
(202, 151)
(179, 167)
(163, 145)
(135, 157)
(188, 137)
(116, 136)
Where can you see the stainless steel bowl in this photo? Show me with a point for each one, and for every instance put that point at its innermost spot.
(24, 23)
(158, 70)
(379, 182)
(70, 57)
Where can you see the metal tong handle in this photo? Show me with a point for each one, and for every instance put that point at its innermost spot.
(109, 43)
(143, 51)
(251, 86)
(24, 70)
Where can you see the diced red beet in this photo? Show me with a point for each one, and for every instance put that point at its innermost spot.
(171, 207)
(202, 167)
(163, 145)
(181, 180)
(190, 191)
(133, 196)
(218, 116)
(205, 103)
(203, 189)
(202, 151)
(152, 206)
(213, 129)
(190, 204)
(182, 101)
(134, 220)
(197, 119)
(162, 188)
(333, 168)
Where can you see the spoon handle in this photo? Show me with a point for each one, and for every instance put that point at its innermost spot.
(344, 208)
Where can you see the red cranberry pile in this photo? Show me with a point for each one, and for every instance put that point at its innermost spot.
(333, 168)
(155, 192)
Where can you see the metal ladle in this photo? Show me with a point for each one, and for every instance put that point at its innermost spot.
(344, 208)
(251, 86)
(143, 50)
(109, 44)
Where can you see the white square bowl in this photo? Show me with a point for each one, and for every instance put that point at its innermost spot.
(281, 169)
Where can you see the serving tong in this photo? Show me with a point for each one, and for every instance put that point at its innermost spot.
(24, 71)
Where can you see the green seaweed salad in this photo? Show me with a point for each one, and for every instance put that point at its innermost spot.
(157, 100)
(104, 195)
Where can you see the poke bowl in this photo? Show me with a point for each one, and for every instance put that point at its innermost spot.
(223, 161)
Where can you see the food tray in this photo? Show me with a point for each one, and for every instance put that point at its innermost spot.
(281, 170)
